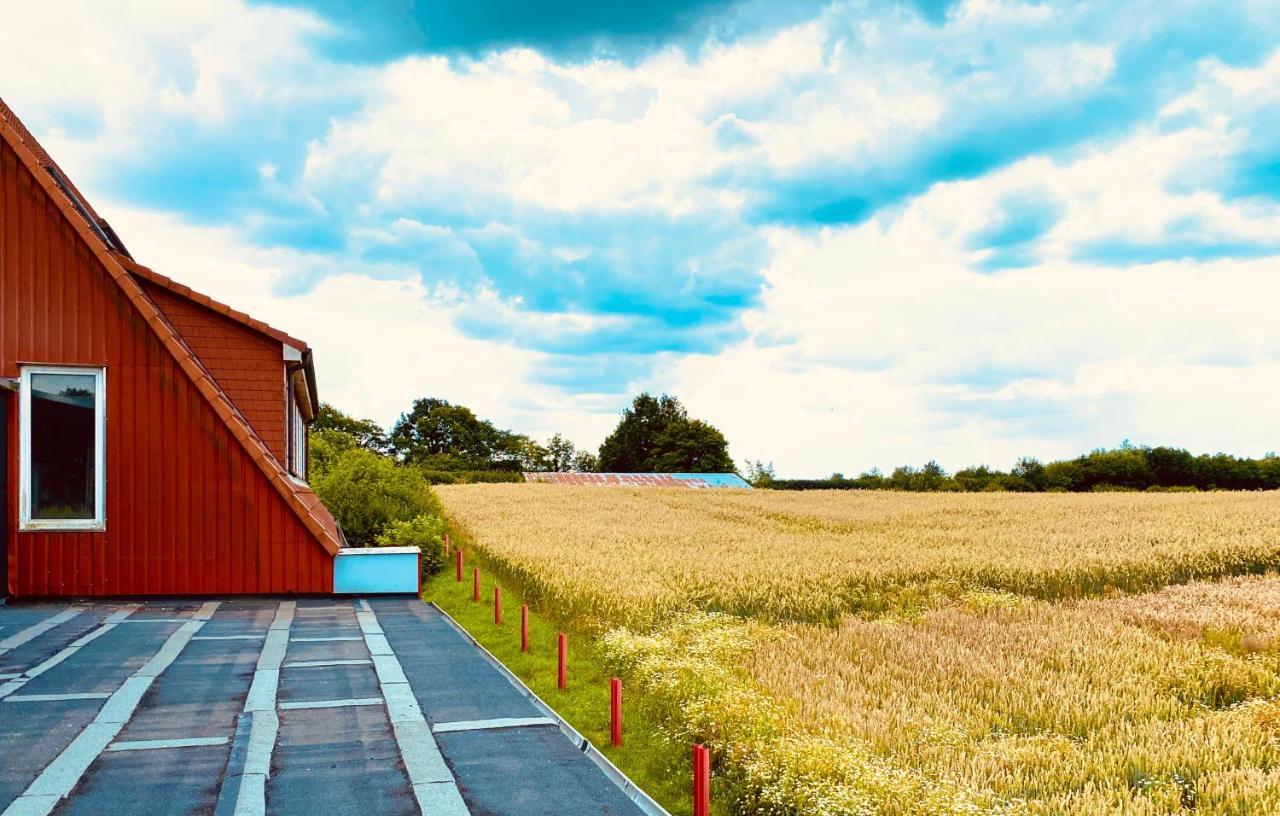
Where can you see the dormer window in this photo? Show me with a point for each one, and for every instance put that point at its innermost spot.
(297, 447)
(299, 385)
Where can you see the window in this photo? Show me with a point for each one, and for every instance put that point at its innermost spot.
(297, 439)
(62, 439)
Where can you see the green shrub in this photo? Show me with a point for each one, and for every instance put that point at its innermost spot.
(366, 492)
(426, 532)
(324, 447)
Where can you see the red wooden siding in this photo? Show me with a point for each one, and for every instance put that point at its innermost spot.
(246, 364)
(187, 508)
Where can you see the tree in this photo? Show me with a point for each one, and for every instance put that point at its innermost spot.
(758, 474)
(656, 435)
(630, 448)
(1172, 467)
(364, 433)
(1029, 469)
(440, 436)
(871, 479)
(434, 431)
(977, 479)
(691, 446)
(519, 452)
(585, 462)
(1126, 466)
(560, 454)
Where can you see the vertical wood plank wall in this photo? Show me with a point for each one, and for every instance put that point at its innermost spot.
(187, 510)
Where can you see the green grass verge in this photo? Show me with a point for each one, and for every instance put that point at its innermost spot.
(652, 762)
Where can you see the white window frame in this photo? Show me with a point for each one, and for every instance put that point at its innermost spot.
(99, 522)
(295, 439)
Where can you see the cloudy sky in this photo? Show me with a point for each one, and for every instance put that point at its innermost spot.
(849, 234)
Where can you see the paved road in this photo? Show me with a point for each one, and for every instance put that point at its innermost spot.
(245, 707)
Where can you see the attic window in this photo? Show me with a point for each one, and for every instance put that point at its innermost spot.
(62, 439)
(297, 448)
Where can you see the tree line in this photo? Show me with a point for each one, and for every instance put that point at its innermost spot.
(1128, 467)
(448, 443)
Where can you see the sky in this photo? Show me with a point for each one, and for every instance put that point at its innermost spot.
(848, 234)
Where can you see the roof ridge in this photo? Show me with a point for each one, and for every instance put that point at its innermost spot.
(201, 299)
(213, 394)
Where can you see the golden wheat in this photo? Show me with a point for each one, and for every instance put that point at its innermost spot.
(929, 654)
(630, 555)
(1036, 702)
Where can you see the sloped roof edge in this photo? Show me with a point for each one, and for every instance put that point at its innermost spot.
(114, 264)
(184, 291)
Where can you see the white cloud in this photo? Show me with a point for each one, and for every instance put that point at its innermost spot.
(872, 345)
(379, 343)
(897, 351)
(135, 62)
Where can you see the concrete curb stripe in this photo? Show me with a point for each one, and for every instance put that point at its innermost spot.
(378, 645)
(56, 698)
(36, 630)
(317, 664)
(229, 790)
(32, 806)
(489, 725)
(252, 800)
(323, 639)
(434, 785)
(368, 623)
(108, 623)
(388, 669)
(158, 620)
(260, 703)
(262, 743)
(154, 745)
(349, 703)
(262, 693)
(64, 772)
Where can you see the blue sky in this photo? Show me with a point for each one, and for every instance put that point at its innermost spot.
(850, 234)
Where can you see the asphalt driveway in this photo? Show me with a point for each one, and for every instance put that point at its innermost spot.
(253, 706)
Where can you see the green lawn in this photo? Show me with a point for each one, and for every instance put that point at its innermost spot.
(661, 769)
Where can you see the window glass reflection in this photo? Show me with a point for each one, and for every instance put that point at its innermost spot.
(63, 444)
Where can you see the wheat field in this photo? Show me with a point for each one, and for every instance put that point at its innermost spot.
(889, 653)
(632, 555)
(1134, 704)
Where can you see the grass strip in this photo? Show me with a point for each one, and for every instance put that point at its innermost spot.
(658, 766)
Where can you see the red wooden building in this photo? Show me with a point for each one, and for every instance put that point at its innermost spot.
(152, 440)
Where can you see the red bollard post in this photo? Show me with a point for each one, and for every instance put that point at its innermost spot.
(457, 558)
(615, 712)
(524, 628)
(497, 606)
(701, 781)
(475, 585)
(562, 662)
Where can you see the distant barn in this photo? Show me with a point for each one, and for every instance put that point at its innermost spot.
(692, 481)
